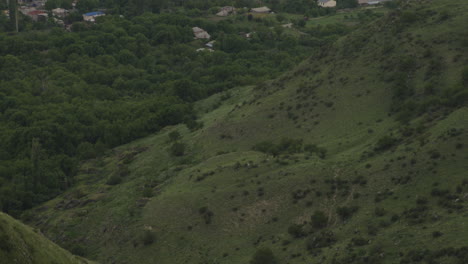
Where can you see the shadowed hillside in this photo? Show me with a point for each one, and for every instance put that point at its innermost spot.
(358, 155)
(20, 244)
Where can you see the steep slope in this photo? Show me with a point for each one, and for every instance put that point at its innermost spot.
(357, 155)
(20, 244)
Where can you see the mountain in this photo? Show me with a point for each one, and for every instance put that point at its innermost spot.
(23, 245)
(357, 155)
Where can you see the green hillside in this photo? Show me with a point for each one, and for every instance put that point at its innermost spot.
(19, 244)
(357, 155)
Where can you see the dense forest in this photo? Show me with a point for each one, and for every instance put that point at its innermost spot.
(68, 96)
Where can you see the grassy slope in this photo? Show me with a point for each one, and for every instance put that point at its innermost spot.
(250, 193)
(20, 244)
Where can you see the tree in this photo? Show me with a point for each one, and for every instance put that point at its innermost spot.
(340, 4)
(87, 5)
(35, 159)
(13, 11)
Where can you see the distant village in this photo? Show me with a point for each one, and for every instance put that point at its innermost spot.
(35, 9)
(200, 33)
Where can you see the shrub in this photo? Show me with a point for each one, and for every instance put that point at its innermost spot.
(5, 244)
(178, 149)
(296, 231)
(147, 237)
(290, 145)
(147, 192)
(312, 148)
(379, 211)
(346, 212)
(319, 220)
(174, 136)
(321, 240)
(114, 179)
(266, 147)
(206, 214)
(385, 143)
(263, 256)
(359, 241)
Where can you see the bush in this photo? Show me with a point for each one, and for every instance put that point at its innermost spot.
(296, 231)
(319, 220)
(286, 145)
(174, 136)
(5, 244)
(114, 179)
(346, 212)
(263, 256)
(266, 147)
(385, 143)
(312, 148)
(178, 149)
(206, 214)
(147, 192)
(359, 241)
(379, 211)
(321, 240)
(147, 237)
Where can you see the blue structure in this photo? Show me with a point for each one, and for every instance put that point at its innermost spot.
(97, 13)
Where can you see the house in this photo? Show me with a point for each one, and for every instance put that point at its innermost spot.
(203, 49)
(25, 9)
(226, 11)
(91, 16)
(200, 33)
(210, 44)
(326, 3)
(371, 2)
(60, 12)
(38, 15)
(263, 10)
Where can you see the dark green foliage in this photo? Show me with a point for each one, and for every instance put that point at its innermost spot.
(457, 255)
(263, 256)
(409, 17)
(379, 211)
(319, 220)
(114, 179)
(174, 136)
(178, 149)
(359, 241)
(286, 145)
(465, 75)
(206, 214)
(385, 143)
(296, 230)
(78, 250)
(105, 84)
(346, 212)
(436, 234)
(321, 239)
(5, 244)
(266, 147)
(147, 237)
(312, 148)
(340, 4)
(147, 192)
